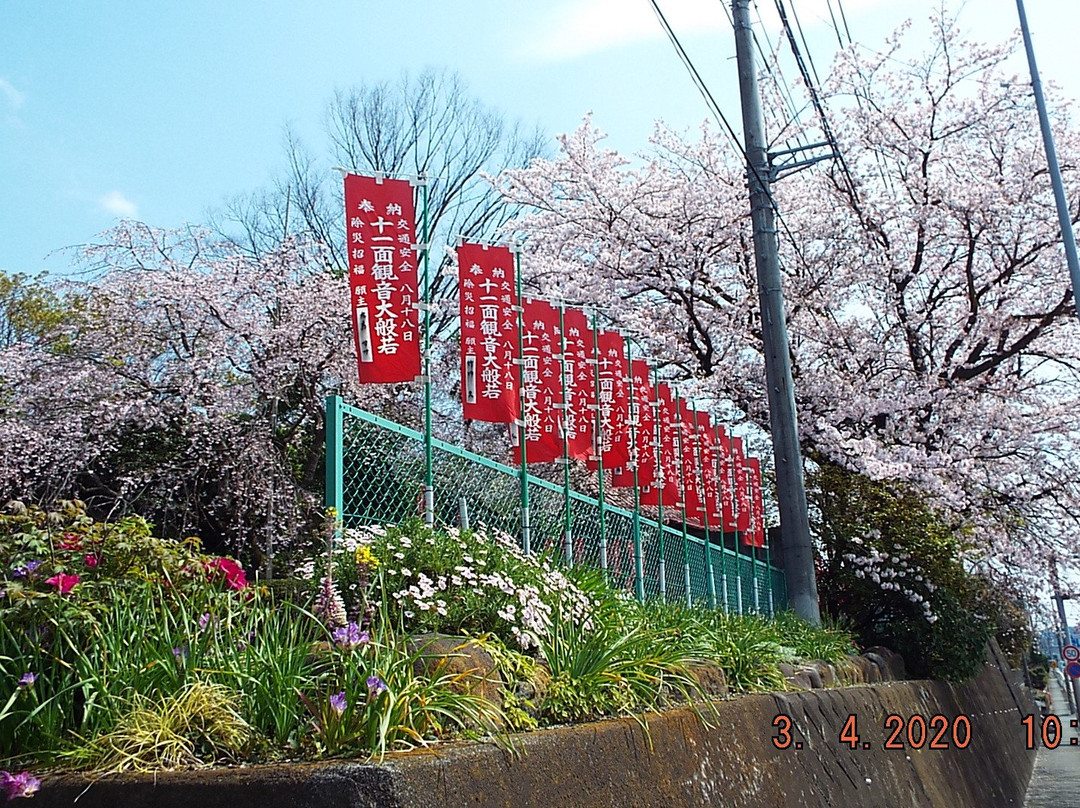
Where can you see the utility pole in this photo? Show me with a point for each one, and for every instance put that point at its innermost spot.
(1073, 695)
(790, 487)
(1064, 217)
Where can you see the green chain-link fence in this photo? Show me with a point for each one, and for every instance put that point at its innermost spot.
(375, 473)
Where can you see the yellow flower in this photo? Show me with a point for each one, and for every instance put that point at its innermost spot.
(365, 558)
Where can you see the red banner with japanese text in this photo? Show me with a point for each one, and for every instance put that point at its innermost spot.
(725, 468)
(580, 416)
(709, 481)
(381, 242)
(757, 503)
(612, 400)
(642, 430)
(542, 374)
(489, 333)
(667, 468)
(742, 489)
(691, 464)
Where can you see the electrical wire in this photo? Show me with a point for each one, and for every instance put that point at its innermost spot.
(819, 107)
(779, 80)
(715, 109)
(843, 19)
(802, 36)
(832, 19)
(710, 102)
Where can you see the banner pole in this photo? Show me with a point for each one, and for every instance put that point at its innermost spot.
(659, 481)
(682, 503)
(598, 443)
(724, 550)
(754, 576)
(429, 478)
(768, 566)
(738, 574)
(335, 454)
(526, 538)
(639, 567)
(705, 514)
(568, 534)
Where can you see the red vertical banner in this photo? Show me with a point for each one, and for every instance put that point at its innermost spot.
(691, 466)
(380, 232)
(667, 467)
(542, 374)
(742, 489)
(642, 429)
(580, 416)
(757, 503)
(710, 483)
(612, 398)
(489, 335)
(725, 468)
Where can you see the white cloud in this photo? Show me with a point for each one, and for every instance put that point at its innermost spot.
(576, 28)
(117, 204)
(14, 97)
(582, 27)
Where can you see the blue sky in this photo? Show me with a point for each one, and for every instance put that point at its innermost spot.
(160, 111)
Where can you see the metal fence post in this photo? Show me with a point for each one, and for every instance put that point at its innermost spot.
(335, 454)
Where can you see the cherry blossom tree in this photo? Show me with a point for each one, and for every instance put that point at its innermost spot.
(934, 335)
(187, 385)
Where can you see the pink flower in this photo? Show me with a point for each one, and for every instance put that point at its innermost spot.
(91, 560)
(19, 785)
(70, 541)
(65, 583)
(233, 572)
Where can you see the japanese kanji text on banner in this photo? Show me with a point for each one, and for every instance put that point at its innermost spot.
(542, 374)
(489, 336)
(381, 244)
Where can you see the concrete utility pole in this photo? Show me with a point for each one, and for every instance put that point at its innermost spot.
(1068, 240)
(1071, 694)
(790, 487)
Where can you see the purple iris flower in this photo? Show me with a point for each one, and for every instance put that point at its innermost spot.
(338, 702)
(350, 636)
(19, 785)
(375, 686)
(27, 679)
(28, 569)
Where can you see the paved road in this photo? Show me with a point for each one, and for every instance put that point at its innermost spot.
(1056, 779)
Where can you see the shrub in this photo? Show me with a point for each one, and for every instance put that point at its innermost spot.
(452, 581)
(892, 567)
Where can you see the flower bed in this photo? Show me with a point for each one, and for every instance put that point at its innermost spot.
(122, 651)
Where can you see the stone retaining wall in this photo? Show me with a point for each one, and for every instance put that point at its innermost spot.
(678, 762)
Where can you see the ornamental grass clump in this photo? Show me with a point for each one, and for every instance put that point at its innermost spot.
(199, 725)
(621, 661)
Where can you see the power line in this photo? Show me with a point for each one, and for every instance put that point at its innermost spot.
(818, 106)
(718, 113)
(778, 77)
(843, 18)
(832, 19)
(710, 102)
(802, 36)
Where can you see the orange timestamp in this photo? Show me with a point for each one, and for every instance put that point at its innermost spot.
(913, 732)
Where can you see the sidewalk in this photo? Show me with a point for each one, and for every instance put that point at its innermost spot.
(1056, 779)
